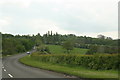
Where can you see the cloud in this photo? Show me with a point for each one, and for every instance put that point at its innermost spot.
(55, 9)
(44, 25)
(5, 21)
(89, 17)
(19, 3)
(97, 15)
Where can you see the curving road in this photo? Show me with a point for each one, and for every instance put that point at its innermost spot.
(13, 69)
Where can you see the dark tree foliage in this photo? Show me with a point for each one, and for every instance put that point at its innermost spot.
(102, 49)
(16, 44)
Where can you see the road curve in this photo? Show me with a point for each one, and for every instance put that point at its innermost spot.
(12, 68)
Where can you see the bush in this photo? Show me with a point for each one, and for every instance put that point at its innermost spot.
(97, 62)
(43, 49)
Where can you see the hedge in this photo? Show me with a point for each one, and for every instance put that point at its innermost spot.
(97, 62)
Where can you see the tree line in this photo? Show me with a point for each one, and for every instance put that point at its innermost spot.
(80, 41)
(12, 44)
(16, 44)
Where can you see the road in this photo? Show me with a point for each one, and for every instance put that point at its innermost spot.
(12, 68)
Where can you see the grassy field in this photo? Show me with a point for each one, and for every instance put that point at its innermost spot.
(76, 71)
(55, 49)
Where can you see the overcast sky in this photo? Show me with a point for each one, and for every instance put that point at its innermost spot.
(80, 17)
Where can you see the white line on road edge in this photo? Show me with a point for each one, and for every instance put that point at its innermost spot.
(4, 69)
(10, 75)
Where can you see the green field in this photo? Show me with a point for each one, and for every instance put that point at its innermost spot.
(71, 70)
(56, 49)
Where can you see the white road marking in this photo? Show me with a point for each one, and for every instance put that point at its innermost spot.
(10, 75)
(4, 69)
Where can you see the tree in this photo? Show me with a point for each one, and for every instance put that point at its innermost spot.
(20, 48)
(43, 49)
(8, 46)
(101, 36)
(68, 45)
(38, 39)
(92, 50)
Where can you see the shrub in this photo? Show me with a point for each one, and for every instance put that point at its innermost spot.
(97, 62)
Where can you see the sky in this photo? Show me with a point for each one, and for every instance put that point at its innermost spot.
(79, 17)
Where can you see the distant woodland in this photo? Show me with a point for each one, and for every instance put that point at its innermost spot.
(12, 44)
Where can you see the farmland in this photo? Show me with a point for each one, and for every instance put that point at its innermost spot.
(56, 49)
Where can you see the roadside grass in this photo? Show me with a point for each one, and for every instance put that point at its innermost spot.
(71, 70)
(56, 49)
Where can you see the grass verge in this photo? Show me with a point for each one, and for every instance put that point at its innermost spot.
(76, 71)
